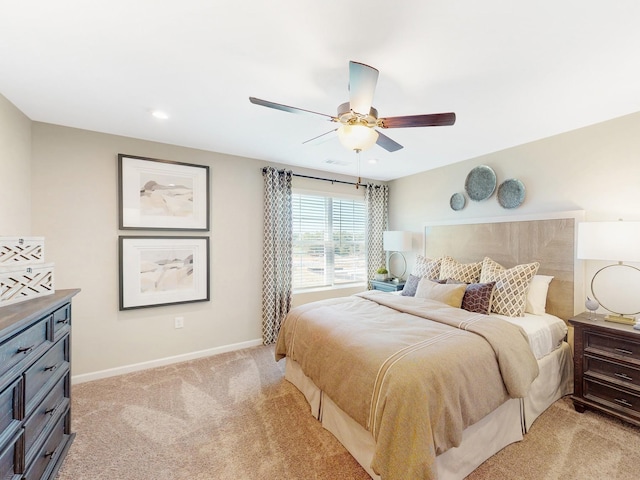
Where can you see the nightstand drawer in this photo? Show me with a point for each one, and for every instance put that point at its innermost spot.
(612, 371)
(620, 347)
(611, 397)
(387, 285)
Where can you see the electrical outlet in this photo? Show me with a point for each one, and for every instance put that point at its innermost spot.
(179, 322)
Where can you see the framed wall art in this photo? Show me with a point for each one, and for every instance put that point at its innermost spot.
(158, 271)
(162, 194)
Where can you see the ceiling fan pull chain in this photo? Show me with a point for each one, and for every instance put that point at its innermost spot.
(359, 179)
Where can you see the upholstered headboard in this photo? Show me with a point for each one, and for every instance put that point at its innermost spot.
(516, 240)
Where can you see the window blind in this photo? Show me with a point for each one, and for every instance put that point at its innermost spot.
(328, 241)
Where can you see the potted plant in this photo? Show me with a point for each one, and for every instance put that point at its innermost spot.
(381, 273)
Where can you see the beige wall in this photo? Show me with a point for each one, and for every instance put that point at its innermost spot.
(15, 171)
(76, 210)
(594, 169)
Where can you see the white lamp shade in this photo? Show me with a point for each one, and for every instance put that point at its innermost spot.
(614, 241)
(357, 137)
(396, 241)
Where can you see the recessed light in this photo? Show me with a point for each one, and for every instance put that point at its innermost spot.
(160, 114)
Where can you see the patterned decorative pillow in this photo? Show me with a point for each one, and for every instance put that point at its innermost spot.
(425, 267)
(450, 294)
(477, 297)
(411, 285)
(463, 272)
(512, 285)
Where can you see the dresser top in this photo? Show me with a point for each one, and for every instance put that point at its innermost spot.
(15, 316)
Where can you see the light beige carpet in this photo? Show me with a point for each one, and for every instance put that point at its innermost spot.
(233, 416)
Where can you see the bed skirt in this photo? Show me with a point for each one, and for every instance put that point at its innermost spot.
(505, 425)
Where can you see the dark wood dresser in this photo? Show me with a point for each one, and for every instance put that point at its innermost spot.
(35, 388)
(606, 367)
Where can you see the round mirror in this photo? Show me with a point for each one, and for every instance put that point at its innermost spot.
(615, 286)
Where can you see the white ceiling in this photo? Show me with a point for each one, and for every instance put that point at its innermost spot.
(513, 72)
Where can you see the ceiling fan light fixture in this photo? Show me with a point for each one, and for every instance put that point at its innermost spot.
(357, 137)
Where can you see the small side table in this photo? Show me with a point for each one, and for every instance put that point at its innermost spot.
(606, 367)
(387, 285)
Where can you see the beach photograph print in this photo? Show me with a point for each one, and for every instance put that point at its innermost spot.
(157, 271)
(165, 270)
(162, 195)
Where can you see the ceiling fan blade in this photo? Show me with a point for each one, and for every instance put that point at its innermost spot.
(386, 143)
(362, 85)
(287, 108)
(428, 120)
(321, 138)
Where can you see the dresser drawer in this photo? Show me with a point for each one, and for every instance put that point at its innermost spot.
(10, 464)
(620, 347)
(52, 407)
(49, 453)
(61, 322)
(611, 397)
(10, 414)
(23, 346)
(612, 371)
(43, 374)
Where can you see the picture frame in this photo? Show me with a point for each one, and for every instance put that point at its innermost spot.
(161, 270)
(158, 194)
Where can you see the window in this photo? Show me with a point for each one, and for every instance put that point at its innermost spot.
(328, 241)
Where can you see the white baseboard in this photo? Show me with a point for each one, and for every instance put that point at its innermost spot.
(136, 367)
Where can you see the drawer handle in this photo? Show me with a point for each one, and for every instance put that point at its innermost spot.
(624, 402)
(50, 368)
(66, 320)
(623, 351)
(25, 350)
(50, 411)
(623, 376)
(50, 454)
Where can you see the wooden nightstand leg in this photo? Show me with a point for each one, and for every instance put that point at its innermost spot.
(579, 407)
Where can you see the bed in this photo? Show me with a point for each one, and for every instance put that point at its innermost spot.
(366, 363)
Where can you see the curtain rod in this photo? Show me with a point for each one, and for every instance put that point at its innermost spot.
(324, 179)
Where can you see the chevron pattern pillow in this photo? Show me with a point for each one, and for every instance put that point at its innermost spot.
(512, 285)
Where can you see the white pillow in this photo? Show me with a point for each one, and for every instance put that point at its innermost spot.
(537, 294)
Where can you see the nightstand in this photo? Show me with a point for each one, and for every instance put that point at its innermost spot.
(606, 367)
(387, 285)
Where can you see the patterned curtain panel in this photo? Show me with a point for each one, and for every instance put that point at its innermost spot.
(276, 272)
(377, 200)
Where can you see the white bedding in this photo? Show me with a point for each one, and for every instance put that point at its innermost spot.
(545, 332)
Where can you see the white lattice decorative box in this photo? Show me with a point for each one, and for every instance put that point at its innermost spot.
(21, 251)
(18, 283)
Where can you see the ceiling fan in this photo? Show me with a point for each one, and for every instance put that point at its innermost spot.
(359, 120)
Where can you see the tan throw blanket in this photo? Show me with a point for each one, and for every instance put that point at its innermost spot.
(414, 384)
